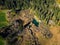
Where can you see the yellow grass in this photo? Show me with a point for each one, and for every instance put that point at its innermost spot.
(55, 40)
(58, 1)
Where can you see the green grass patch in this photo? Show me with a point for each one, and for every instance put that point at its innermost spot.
(3, 24)
(2, 41)
(3, 19)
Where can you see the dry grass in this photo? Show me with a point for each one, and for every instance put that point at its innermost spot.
(58, 1)
(55, 40)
